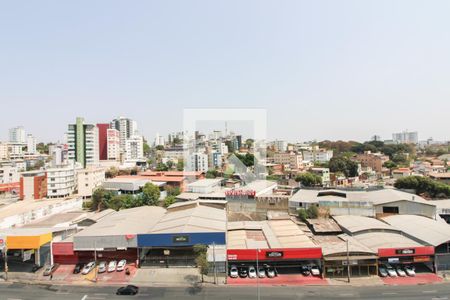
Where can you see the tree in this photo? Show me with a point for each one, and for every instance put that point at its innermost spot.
(421, 185)
(249, 143)
(302, 214)
(180, 165)
(159, 147)
(390, 165)
(312, 212)
(201, 259)
(169, 165)
(248, 159)
(212, 173)
(100, 199)
(309, 179)
(344, 165)
(150, 194)
(172, 190)
(162, 167)
(111, 172)
(147, 149)
(169, 201)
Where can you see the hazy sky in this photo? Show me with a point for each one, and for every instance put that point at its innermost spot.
(322, 69)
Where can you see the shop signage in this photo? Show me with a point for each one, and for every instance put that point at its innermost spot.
(274, 254)
(180, 239)
(27, 254)
(393, 260)
(166, 252)
(405, 251)
(421, 258)
(351, 262)
(232, 256)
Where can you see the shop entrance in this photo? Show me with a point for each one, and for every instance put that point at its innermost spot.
(167, 257)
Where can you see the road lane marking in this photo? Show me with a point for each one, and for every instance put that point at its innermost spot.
(101, 294)
(389, 293)
(346, 295)
(84, 297)
(429, 292)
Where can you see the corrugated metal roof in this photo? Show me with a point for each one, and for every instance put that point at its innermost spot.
(354, 224)
(378, 240)
(429, 231)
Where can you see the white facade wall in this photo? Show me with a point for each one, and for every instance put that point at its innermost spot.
(17, 135)
(88, 180)
(61, 182)
(4, 154)
(31, 144)
(198, 162)
(134, 148)
(113, 144)
(318, 155)
(9, 174)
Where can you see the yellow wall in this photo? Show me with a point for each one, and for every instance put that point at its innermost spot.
(28, 242)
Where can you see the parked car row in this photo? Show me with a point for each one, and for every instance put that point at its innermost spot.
(103, 267)
(398, 271)
(252, 272)
(310, 270)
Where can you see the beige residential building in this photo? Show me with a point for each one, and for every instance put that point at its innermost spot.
(3, 151)
(373, 160)
(292, 159)
(89, 179)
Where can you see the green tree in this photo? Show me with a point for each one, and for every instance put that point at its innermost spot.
(111, 172)
(159, 147)
(201, 259)
(172, 190)
(212, 173)
(312, 212)
(424, 185)
(100, 199)
(302, 214)
(390, 165)
(344, 165)
(169, 201)
(169, 165)
(180, 165)
(147, 149)
(309, 179)
(150, 194)
(248, 159)
(162, 167)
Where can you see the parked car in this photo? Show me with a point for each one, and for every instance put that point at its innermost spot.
(234, 273)
(315, 271)
(50, 269)
(391, 271)
(102, 267)
(261, 272)
(243, 273)
(400, 272)
(77, 268)
(383, 272)
(128, 290)
(88, 268)
(35, 268)
(251, 272)
(121, 265)
(305, 270)
(410, 271)
(270, 271)
(112, 266)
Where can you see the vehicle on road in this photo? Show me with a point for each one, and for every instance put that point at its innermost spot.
(35, 268)
(77, 268)
(383, 272)
(251, 272)
(400, 272)
(128, 290)
(112, 266)
(50, 269)
(88, 268)
(102, 267)
(243, 273)
(261, 272)
(315, 271)
(390, 271)
(121, 265)
(410, 271)
(270, 271)
(234, 273)
(305, 270)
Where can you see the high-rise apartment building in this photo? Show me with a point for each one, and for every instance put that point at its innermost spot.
(406, 137)
(103, 141)
(134, 148)
(82, 140)
(197, 162)
(126, 127)
(113, 144)
(17, 135)
(31, 144)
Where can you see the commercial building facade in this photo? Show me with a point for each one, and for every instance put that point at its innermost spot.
(83, 143)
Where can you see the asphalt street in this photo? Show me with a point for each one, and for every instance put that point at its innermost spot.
(55, 292)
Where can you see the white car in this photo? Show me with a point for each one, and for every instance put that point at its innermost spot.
(270, 272)
(410, 271)
(234, 273)
(391, 271)
(112, 266)
(400, 272)
(315, 271)
(88, 268)
(383, 272)
(261, 272)
(251, 272)
(121, 265)
(102, 267)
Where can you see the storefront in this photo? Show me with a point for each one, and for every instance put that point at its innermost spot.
(174, 249)
(283, 259)
(361, 265)
(420, 257)
(28, 246)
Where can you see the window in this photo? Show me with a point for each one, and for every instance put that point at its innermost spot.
(390, 209)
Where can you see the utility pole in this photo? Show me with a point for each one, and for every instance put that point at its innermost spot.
(257, 275)
(348, 263)
(95, 260)
(214, 259)
(5, 253)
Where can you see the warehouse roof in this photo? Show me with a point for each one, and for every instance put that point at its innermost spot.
(197, 219)
(267, 234)
(355, 224)
(128, 221)
(380, 240)
(64, 219)
(205, 182)
(427, 230)
(336, 245)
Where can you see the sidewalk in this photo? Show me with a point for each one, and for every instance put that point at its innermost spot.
(357, 281)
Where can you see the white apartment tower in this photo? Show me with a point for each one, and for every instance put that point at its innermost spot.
(134, 148)
(31, 144)
(83, 145)
(126, 127)
(17, 135)
(113, 144)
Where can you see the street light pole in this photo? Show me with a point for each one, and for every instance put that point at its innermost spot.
(348, 264)
(257, 274)
(95, 260)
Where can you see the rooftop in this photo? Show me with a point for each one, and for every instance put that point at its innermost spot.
(205, 182)
(429, 231)
(355, 224)
(380, 240)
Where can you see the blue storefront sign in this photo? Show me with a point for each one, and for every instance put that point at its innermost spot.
(182, 239)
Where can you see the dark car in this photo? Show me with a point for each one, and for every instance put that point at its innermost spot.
(128, 290)
(243, 272)
(78, 268)
(50, 269)
(305, 270)
(35, 268)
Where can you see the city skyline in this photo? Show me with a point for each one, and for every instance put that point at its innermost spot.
(323, 70)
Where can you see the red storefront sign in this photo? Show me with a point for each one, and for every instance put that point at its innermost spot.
(62, 248)
(274, 254)
(412, 251)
